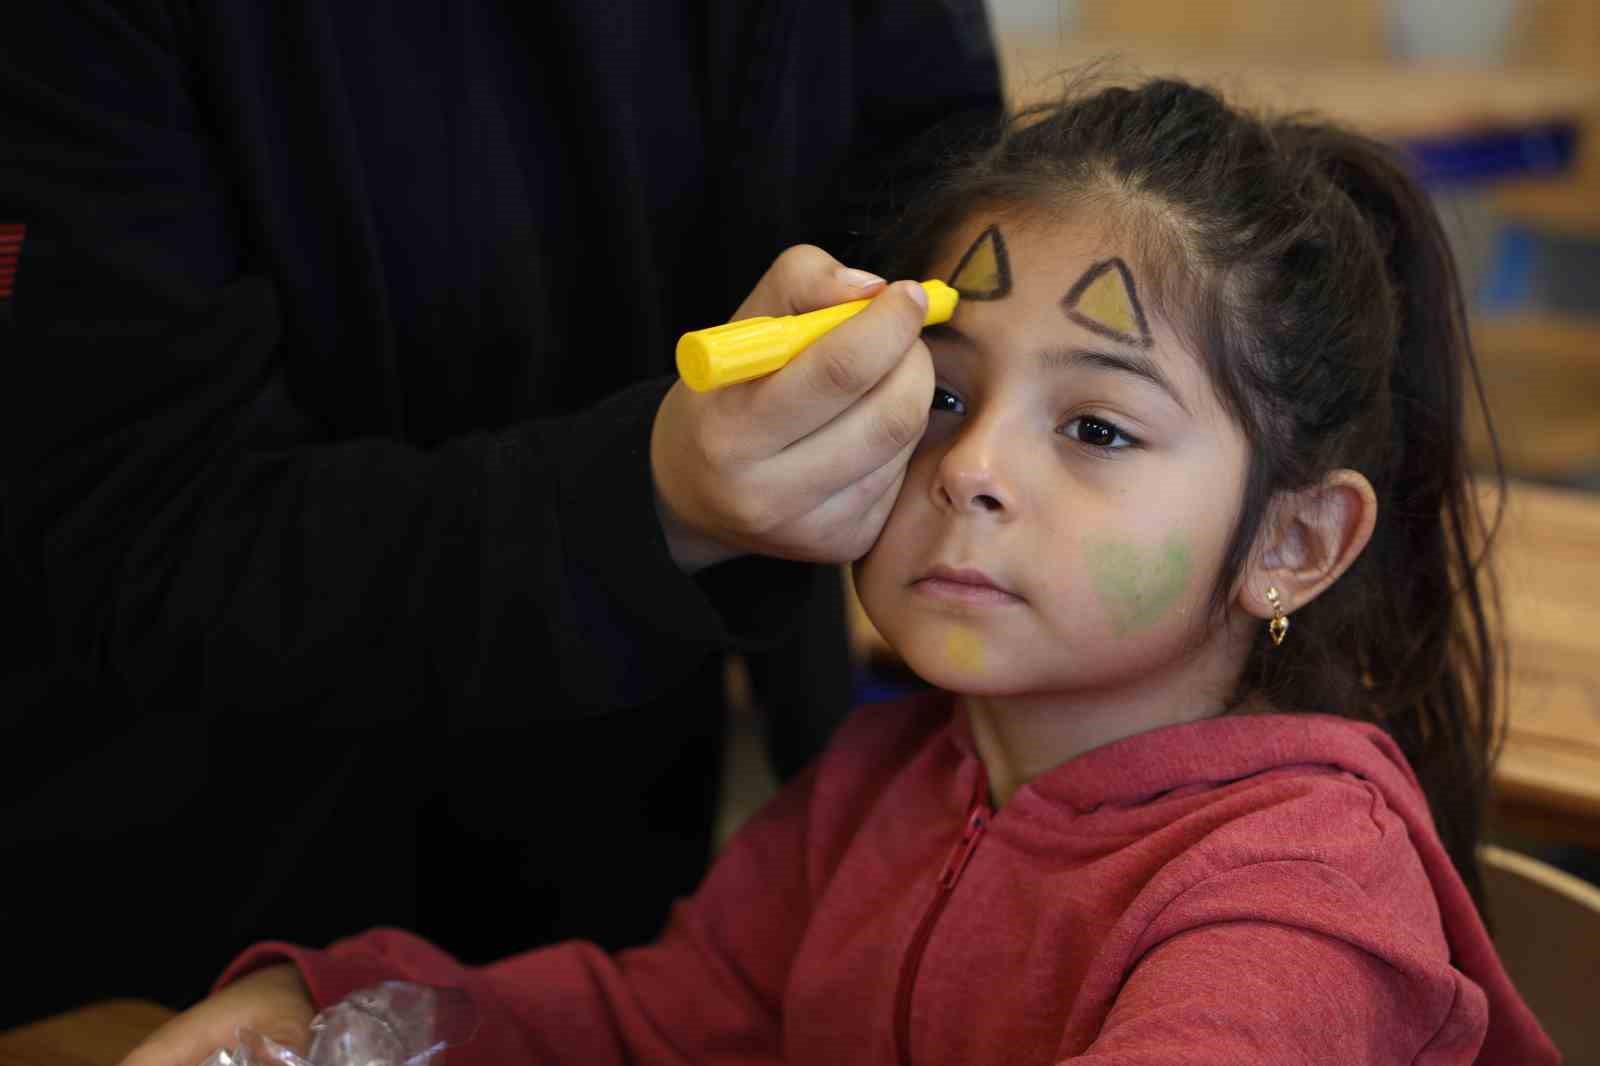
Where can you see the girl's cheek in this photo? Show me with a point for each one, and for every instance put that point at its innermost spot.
(1138, 583)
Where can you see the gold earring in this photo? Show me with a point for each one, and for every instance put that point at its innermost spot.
(1279, 624)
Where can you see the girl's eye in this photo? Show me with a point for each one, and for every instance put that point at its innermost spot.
(1097, 433)
(945, 400)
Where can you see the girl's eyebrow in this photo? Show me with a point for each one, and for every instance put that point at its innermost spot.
(1139, 366)
(1069, 357)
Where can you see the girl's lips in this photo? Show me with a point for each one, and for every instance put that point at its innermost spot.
(963, 586)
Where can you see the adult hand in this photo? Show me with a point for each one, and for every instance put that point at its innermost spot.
(804, 463)
(272, 1001)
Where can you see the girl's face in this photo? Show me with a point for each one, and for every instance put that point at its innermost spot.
(1065, 517)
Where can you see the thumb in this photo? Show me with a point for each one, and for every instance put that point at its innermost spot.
(291, 1032)
(272, 1002)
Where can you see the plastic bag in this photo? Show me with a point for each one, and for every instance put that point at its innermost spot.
(392, 1024)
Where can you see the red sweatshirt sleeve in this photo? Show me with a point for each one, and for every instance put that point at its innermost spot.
(1289, 961)
(711, 987)
(1252, 992)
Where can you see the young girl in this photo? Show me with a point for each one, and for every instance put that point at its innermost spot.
(1188, 549)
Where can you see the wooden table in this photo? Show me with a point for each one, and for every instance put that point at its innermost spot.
(1547, 782)
(96, 1035)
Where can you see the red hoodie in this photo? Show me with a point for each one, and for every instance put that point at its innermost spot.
(1251, 889)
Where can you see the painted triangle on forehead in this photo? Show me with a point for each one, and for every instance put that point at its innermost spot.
(1105, 301)
(984, 272)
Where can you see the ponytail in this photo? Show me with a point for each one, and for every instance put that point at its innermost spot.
(1420, 599)
(1423, 638)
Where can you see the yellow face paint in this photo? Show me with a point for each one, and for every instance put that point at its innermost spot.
(1105, 301)
(984, 272)
(964, 649)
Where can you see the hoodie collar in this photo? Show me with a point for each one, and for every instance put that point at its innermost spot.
(1213, 751)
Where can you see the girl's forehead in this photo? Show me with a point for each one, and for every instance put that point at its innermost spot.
(1054, 249)
(1073, 262)
(1059, 292)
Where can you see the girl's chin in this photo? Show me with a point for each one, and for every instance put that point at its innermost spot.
(968, 661)
(968, 672)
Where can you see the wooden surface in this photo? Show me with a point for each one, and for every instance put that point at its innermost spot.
(1545, 33)
(96, 1035)
(1541, 376)
(1383, 97)
(1548, 559)
(1337, 58)
(1547, 932)
(1347, 29)
(1569, 203)
(1547, 782)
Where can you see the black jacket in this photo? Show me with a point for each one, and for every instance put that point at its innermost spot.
(338, 592)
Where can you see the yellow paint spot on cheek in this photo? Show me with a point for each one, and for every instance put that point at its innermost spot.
(964, 649)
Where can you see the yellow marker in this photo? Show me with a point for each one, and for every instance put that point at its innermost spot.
(738, 351)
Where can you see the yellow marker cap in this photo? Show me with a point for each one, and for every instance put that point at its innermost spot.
(738, 351)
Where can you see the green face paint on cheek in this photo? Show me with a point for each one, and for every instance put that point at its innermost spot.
(1137, 585)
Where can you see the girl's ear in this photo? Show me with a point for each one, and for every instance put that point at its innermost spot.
(1309, 539)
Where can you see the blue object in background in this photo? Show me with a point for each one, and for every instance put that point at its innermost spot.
(1495, 154)
(872, 686)
(1543, 271)
(1508, 283)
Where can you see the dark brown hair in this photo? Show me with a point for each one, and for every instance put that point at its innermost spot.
(1311, 274)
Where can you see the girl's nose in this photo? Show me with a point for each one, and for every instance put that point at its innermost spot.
(970, 479)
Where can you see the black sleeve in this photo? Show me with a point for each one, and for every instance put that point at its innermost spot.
(196, 531)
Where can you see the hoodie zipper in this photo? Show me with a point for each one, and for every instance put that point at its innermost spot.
(978, 816)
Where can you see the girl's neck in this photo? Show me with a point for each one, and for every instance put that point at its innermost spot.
(1020, 736)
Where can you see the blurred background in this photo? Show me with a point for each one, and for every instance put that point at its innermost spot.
(1497, 103)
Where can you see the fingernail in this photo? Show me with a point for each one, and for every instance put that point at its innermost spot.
(917, 293)
(857, 279)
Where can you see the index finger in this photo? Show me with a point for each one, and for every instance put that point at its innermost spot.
(805, 278)
(828, 378)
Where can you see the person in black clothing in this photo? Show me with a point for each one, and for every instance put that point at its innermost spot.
(348, 543)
